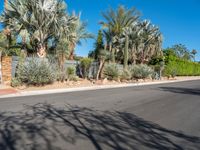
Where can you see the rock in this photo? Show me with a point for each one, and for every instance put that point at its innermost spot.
(140, 80)
(78, 82)
(105, 81)
(98, 82)
(118, 80)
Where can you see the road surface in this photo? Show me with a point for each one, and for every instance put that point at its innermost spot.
(162, 117)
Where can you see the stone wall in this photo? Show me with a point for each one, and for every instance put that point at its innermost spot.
(6, 67)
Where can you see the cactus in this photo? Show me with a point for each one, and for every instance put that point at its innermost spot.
(126, 53)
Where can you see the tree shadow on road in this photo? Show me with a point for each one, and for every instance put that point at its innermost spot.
(46, 127)
(181, 90)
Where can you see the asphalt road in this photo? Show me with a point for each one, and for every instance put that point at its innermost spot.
(160, 117)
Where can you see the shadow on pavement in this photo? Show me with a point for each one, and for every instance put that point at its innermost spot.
(181, 90)
(46, 127)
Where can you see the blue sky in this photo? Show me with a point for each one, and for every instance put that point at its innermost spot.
(179, 20)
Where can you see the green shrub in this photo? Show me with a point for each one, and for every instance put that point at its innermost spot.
(16, 82)
(141, 71)
(155, 76)
(111, 72)
(179, 67)
(85, 64)
(125, 75)
(71, 73)
(36, 72)
(61, 75)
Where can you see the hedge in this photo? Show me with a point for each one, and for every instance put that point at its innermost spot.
(179, 67)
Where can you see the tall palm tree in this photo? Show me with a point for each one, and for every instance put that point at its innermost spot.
(77, 35)
(116, 21)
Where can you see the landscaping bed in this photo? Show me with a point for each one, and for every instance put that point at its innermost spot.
(90, 83)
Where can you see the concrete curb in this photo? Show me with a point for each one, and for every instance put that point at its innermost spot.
(91, 88)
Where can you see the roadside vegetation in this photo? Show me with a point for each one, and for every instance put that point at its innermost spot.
(44, 35)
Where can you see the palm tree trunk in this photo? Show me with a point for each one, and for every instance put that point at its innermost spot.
(62, 67)
(5, 4)
(99, 69)
(24, 48)
(112, 53)
(42, 51)
(71, 55)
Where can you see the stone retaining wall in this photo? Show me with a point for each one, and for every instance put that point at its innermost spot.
(6, 67)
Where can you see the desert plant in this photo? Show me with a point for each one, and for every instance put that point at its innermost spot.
(71, 73)
(111, 72)
(180, 67)
(141, 71)
(126, 52)
(36, 72)
(114, 23)
(125, 75)
(45, 20)
(16, 82)
(85, 64)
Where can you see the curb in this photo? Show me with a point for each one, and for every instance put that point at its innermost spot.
(91, 88)
(7, 91)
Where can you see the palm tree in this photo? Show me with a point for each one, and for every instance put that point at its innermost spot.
(77, 35)
(62, 52)
(145, 41)
(41, 18)
(115, 22)
(150, 41)
(103, 56)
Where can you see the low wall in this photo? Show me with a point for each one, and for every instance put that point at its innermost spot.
(6, 68)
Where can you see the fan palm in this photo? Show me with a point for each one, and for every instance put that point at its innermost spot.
(150, 41)
(41, 18)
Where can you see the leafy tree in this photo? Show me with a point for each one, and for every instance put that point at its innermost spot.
(85, 64)
(99, 45)
(103, 56)
(194, 52)
(181, 51)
